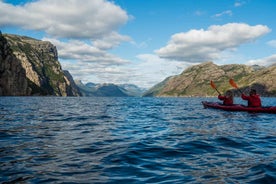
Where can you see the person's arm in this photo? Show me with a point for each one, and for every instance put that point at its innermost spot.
(221, 97)
(244, 97)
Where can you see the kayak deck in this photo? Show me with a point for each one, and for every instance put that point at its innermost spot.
(237, 107)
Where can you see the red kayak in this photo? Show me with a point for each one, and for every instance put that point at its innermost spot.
(236, 107)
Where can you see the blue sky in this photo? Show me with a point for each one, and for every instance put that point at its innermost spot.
(144, 41)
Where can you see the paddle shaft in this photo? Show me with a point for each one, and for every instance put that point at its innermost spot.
(217, 91)
(214, 87)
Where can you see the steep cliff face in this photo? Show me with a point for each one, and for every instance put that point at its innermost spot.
(195, 81)
(40, 67)
(72, 89)
(13, 79)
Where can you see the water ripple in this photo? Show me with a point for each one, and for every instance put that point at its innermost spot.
(133, 140)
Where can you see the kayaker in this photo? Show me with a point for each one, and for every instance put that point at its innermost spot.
(253, 99)
(227, 98)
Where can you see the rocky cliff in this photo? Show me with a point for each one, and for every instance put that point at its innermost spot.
(195, 81)
(31, 67)
(13, 79)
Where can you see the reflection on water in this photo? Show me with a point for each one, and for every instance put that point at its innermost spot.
(133, 140)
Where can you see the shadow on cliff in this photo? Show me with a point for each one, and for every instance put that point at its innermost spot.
(12, 81)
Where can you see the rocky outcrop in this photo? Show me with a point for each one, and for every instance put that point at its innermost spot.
(195, 81)
(72, 89)
(13, 79)
(34, 65)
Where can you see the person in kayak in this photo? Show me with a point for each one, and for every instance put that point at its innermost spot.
(227, 98)
(253, 99)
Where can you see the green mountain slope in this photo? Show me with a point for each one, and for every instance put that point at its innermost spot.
(195, 80)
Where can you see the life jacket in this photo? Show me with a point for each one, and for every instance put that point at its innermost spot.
(253, 100)
(226, 100)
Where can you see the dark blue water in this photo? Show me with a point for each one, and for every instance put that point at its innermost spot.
(133, 140)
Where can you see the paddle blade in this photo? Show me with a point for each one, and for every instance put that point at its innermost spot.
(232, 82)
(213, 85)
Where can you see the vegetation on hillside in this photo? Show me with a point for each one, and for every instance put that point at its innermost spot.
(195, 80)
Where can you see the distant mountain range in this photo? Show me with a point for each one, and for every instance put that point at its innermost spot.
(31, 67)
(109, 90)
(195, 80)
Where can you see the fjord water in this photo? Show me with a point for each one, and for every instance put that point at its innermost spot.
(133, 140)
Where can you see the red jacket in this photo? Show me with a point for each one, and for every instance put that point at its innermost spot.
(226, 100)
(253, 100)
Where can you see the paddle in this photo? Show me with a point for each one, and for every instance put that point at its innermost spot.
(232, 82)
(214, 86)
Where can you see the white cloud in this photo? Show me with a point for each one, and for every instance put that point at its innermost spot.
(81, 51)
(65, 19)
(227, 12)
(151, 69)
(272, 43)
(239, 3)
(95, 72)
(96, 23)
(146, 72)
(204, 45)
(267, 61)
(110, 41)
(142, 44)
(88, 29)
(199, 13)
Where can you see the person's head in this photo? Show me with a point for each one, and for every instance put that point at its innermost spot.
(229, 93)
(253, 92)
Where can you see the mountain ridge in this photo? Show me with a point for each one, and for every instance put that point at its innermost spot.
(30, 67)
(109, 89)
(195, 80)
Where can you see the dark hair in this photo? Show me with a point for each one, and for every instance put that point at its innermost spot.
(253, 91)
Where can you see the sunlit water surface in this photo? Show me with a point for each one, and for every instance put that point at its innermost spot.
(133, 140)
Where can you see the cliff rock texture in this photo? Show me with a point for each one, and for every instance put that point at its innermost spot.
(195, 80)
(13, 79)
(31, 67)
